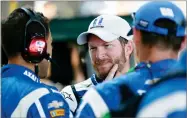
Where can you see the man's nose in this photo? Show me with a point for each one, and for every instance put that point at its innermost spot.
(101, 53)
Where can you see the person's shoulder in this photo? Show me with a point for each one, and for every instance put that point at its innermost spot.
(70, 98)
(129, 80)
(38, 86)
(173, 89)
(72, 93)
(68, 94)
(78, 86)
(24, 87)
(166, 86)
(9, 80)
(51, 97)
(135, 72)
(107, 93)
(124, 79)
(19, 82)
(84, 85)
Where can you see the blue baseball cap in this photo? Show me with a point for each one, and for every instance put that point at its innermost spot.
(145, 17)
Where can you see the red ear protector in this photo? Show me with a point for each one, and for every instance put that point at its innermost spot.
(35, 47)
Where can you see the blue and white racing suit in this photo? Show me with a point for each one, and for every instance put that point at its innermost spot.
(109, 99)
(167, 98)
(22, 95)
(74, 93)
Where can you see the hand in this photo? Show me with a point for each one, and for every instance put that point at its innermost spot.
(112, 72)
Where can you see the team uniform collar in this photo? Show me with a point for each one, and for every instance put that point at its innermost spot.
(18, 70)
(161, 65)
(157, 67)
(95, 80)
(158, 64)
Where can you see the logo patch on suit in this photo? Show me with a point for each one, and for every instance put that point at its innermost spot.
(30, 75)
(67, 95)
(55, 104)
(57, 112)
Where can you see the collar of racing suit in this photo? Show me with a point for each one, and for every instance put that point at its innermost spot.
(96, 80)
(150, 65)
(20, 71)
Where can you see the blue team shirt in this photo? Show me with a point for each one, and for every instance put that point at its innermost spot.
(113, 95)
(22, 95)
(168, 98)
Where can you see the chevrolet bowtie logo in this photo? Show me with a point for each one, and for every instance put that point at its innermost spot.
(55, 104)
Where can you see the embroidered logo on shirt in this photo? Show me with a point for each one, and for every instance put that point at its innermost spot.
(67, 95)
(55, 104)
(57, 112)
(30, 75)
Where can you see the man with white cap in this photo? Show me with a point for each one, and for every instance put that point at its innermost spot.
(110, 48)
(159, 34)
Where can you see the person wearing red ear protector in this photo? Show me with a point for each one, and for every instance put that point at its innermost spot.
(24, 40)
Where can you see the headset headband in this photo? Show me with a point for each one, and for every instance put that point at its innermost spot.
(27, 55)
(33, 18)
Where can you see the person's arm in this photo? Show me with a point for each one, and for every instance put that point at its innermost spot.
(70, 98)
(97, 102)
(106, 97)
(49, 105)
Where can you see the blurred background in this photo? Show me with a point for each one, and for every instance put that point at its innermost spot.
(67, 20)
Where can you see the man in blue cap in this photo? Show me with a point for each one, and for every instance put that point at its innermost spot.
(167, 98)
(159, 31)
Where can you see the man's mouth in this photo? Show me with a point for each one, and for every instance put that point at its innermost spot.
(103, 62)
(104, 65)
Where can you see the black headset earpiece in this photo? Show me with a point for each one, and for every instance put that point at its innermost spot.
(34, 47)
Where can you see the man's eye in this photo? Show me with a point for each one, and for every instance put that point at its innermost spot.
(108, 46)
(92, 48)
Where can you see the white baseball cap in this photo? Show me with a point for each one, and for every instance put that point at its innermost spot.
(107, 28)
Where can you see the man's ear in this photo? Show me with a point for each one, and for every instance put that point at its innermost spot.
(129, 47)
(136, 36)
(183, 44)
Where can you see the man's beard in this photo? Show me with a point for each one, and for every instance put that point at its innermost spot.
(102, 74)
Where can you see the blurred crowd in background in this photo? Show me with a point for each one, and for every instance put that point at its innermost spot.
(67, 20)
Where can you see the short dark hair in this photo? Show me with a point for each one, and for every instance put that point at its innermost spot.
(13, 31)
(170, 41)
(122, 40)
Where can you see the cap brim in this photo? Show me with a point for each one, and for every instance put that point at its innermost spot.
(101, 33)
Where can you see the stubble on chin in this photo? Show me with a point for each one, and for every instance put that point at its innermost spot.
(101, 73)
(121, 64)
